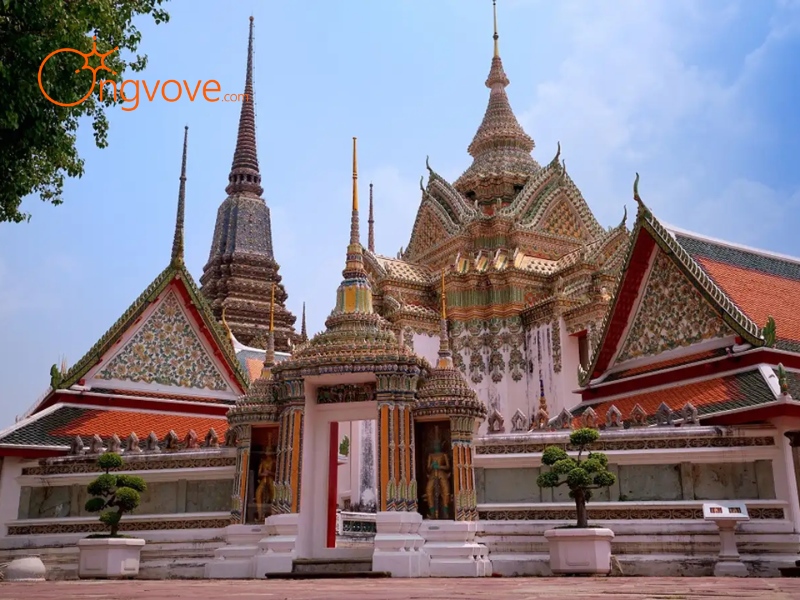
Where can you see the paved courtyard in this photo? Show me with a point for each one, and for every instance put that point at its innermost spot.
(639, 588)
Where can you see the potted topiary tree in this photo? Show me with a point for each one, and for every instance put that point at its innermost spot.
(580, 548)
(111, 554)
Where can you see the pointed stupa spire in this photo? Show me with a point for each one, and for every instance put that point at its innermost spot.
(445, 355)
(501, 149)
(245, 177)
(303, 330)
(371, 223)
(354, 294)
(177, 240)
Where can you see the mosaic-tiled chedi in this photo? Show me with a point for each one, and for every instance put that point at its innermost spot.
(356, 340)
(241, 266)
(525, 259)
(446, 407)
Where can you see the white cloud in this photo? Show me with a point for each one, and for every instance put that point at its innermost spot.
(627, 82)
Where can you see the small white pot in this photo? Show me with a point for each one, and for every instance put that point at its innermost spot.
(580, 551)
(102, 558)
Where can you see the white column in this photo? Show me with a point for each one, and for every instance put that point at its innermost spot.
(10, 490)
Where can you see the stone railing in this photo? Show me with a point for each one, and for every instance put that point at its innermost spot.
(353, 524)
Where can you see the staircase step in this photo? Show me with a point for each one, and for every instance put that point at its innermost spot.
(335, 565)
(332, 575)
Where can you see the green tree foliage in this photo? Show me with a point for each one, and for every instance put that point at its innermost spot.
(344, 447)
(580, 475)
(37, 137)
(111, 491)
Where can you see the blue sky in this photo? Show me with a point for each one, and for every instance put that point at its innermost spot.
(700, 97)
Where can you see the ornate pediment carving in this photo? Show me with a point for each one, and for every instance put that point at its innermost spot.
(345, 393)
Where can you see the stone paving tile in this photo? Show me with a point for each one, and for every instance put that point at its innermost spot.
(639, 588)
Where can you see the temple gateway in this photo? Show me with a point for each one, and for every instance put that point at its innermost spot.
(407, 437)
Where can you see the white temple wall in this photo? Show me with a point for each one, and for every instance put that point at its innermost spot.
(9, 491)
(426, 346)
(567, 379)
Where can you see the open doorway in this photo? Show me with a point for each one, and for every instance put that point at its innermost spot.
(352, 484)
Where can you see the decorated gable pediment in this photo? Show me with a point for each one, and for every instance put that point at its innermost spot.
(164, 349)
(672, 314)
(562, 220)
(429, 231)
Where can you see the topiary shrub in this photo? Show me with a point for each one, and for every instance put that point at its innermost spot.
(580, 475)
(111, 491)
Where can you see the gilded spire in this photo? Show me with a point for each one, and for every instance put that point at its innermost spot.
(371, 223)
(303, 330)
(245, 177)
(500, 148)
(177, 240)
(354, 233)
(495, 36)
(445, 355)
(354, 294)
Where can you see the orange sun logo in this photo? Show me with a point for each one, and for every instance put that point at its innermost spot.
(86, 65)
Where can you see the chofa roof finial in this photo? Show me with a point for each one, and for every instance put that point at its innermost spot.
(636, 191)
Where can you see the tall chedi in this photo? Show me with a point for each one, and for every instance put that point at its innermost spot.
(501, 150)
(241, 267)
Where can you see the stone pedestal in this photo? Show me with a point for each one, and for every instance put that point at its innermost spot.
(276, 552)
(576, 551)
(398, 545)
(729, 563)
(453, 551)
(102, 558)
(236, 559)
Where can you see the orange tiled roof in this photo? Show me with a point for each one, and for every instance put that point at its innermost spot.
(253, 367)
(760, 295)
(760, 284)
(675, 362)
(711, 395)
(106, 423)
(60, 426)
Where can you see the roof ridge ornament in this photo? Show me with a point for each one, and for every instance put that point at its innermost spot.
(636, 195)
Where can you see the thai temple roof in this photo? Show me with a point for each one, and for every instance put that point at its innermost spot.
(57, 427)
(760, 283)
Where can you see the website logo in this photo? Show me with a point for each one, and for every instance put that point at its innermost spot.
(129, 89)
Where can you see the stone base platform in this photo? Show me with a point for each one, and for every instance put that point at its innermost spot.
(564, 588)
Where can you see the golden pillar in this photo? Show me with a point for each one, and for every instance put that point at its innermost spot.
(290, 447)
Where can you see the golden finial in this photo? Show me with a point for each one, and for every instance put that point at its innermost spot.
(272, 310)
(495, 37)
(444, 299)
(355, 177)
(225, 325)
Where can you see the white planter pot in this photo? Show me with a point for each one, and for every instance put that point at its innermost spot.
(579, 551)
(109, 557)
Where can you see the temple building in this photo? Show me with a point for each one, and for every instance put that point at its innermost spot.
(529, 270)
(407, 437)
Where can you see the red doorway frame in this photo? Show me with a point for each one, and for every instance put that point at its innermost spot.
(333, 482)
